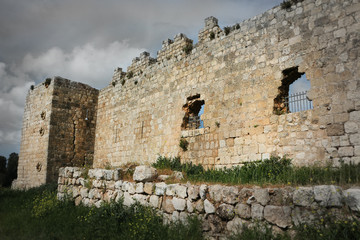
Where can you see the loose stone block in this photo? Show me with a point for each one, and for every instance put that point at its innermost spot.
(281, 216)
(144, 174)
(243, 210)
(225, 211)
(179, 204)
(328, 195)
(209, 207)
(303, 196)
(160, 188)
(181, 191)
(262, 196)
(352, 198)
(257, 211)
(148, 188)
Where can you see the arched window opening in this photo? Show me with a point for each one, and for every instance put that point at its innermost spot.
(292, 95)
(194, 108)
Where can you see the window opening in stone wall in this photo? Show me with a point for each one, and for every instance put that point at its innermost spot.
(194, 108)
(292, 95)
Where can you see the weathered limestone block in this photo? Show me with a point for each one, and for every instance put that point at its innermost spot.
(335, 129)
(98, 183)
(99, 203)
(148, 188)
(75, 192)
(199, 206)
(209, 207)
(110, 185)
(144, 174)
(139, 187)
(96, 173)
(304, 196)
(243, 210)
(179, 203)
(181, 191)
(163, 177)
(128, 187)
(155, 201)
(235, 225)
(302, 215)
(281, 216)
(160, 188)
(167, 205)
(84, 192)
(351, 127)
(225, 211)
(170, 189)
(118, 184)
(262, 196)
(329, 195)
(230, 195)
(189, 206)
(142, 199)
(108, 174)
(193, 192)
(77, 173)
(128, 199)
(94, 193)
(245, 194)
(109, 195)
(215, 192)
(352, 199)
(257, 212)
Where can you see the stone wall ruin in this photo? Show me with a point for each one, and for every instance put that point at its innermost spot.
(238, 73)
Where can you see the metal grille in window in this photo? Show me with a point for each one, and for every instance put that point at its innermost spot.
(194, 122)
(298, 102)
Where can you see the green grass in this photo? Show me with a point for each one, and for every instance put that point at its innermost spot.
(275, 170)
(328, 229)
(37, 214)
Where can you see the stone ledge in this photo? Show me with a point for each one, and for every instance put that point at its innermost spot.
(220, 206)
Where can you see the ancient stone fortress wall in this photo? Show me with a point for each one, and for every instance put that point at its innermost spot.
(58, 130)
(241, 75)
(223, 209)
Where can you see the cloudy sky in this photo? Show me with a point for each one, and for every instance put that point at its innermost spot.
(85, 40)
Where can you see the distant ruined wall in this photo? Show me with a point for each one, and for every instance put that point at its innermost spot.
(238, 77)
(32, 162)
(58, 130)
(240, 74)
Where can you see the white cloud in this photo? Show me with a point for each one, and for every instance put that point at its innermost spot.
(12, 99)
(87, 64)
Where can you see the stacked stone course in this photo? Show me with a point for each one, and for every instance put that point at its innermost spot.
(222, 208)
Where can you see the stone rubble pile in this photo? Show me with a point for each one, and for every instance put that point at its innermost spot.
(222, 208)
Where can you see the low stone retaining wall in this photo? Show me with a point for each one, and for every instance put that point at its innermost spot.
(222, 208)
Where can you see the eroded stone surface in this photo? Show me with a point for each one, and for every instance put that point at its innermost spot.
(144, 174)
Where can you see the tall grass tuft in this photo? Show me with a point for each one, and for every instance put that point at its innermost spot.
(37, 214)
(275, 170)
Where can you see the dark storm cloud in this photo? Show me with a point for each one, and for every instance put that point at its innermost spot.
(84, 40)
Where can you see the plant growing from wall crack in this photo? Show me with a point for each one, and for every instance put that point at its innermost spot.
(183, 144)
